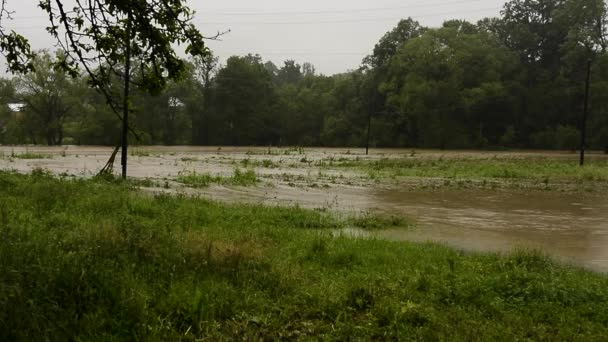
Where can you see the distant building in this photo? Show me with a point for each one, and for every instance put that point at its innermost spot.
(17, 109)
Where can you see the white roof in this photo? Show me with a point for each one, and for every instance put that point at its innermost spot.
(16, 107)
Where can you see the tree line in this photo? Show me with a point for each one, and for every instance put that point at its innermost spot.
(517, 81)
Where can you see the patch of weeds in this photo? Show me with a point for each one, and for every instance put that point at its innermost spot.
(203, 180)
(269, 164)
(139, 153)
(30, 155)
(197, 180)
(374, 221)
(142, 182)
(244, 178)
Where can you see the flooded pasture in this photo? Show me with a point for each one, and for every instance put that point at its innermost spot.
(571, 226)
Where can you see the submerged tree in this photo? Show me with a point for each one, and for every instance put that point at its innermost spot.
(109, 38)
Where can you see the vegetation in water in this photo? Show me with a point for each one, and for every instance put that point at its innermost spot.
(95, 260)
(203, 180)
(546, 171)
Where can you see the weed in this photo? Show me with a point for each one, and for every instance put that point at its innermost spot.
(139, 153)
(203, 180)
(30, 155)
(197, 180)
(243, 178)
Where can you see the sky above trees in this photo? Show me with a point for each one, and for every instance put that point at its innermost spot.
(333, 35)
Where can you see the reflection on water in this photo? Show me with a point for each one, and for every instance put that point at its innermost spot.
(572, 227)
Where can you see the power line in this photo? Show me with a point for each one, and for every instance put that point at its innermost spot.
(345, 11)
(308, 22)
(304, 53)
(339, 21)
(359, 10)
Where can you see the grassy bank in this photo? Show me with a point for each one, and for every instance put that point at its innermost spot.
(519, 172)
(95, 260)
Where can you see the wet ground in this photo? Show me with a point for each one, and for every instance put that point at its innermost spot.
(572, 226)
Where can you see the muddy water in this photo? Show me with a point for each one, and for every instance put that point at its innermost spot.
(569, 226)
(572, 227)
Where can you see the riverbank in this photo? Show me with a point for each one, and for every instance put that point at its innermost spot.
(92, 259)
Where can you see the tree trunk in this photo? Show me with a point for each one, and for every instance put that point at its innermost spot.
(125, 117)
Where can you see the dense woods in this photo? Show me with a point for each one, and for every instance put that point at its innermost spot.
(517, 81)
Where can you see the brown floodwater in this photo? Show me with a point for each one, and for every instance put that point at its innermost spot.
(570, 226)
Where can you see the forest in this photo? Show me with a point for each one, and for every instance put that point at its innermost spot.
(517, 81)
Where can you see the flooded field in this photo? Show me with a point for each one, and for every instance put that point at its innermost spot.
(566, 217)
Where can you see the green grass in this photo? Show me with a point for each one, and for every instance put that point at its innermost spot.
(203, 180)
(96, 260)
(139, 153)
(535, 170)
(30, 155)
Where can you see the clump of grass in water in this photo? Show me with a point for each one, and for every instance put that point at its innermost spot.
(512, 170)
(139, 153)
(30, 155)
(372, 221)
(197, 180)
(203, 180)
(243, 178)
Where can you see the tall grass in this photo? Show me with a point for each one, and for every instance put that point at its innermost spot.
(506, 169)
(30, 155)
(95, 260)
(203, 180)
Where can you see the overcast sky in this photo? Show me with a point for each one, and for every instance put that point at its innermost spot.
(333, 35)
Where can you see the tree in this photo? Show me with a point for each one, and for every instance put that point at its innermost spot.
(290, 73)
(104, 37)
(447, 84)
(7, 96)
(244, 103)
(405, 30)
(200, 102)
(50, 97)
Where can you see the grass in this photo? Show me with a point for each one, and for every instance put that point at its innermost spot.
(96, 260)
(203, 180)
(30, 155)
(543, 171)
(135, 152)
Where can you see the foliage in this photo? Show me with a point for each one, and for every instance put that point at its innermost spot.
(511, 82)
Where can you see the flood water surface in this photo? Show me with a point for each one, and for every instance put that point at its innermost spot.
(571, 227)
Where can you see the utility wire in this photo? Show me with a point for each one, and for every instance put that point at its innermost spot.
(283, 13)
(340, 21)
(359, 10)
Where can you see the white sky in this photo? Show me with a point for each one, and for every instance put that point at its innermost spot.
(334, 35)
